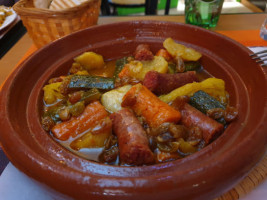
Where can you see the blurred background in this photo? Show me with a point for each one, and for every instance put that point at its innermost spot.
(175, 7)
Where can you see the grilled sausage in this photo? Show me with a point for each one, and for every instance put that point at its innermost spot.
(132, 139)
(143, 52)
(160, 83)
(193, 117)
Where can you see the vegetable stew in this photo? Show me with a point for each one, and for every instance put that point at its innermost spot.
(142, 109)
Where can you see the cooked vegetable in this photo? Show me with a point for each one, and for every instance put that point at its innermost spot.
(213, 86)
(84, 122)
(180, 67)
(76, 105)
(82, 72)
(88, 82)
(77, 108)
(109, 155)
(113, 98)
(86, 96)
(52, 93)
(184, 52)
(91, 95)
(192, 65)
(230, 113)
(111, 151)
(165, 54)
(162, 156)
(119, 66)
(95, 137)
(131, 125)
(172, 68)
(47, 123)
(138, 69)
(90, 60)
(64, 114)
(204, 102)
(223, 116)
(170, 147)
(186, 147)
(53, 112)
(208, 105)
(144, 103)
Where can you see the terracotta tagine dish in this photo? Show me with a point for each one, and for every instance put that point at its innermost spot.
(206, 174)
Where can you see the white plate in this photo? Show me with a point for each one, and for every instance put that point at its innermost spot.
(9, 20)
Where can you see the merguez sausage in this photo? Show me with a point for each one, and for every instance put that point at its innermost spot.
(132, 139)
(193, 117)
(143, 53)
(160, 83)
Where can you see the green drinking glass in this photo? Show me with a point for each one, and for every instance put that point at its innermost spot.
(204, 13)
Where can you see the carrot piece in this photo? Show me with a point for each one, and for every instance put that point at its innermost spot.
(145, 103)
(125, 72)
(90, 118)
(165, 54)
(94, 138)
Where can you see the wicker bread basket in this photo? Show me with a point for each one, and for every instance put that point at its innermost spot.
(44, 25)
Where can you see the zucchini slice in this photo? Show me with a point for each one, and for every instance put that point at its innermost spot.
(204, 102)
(88, 82)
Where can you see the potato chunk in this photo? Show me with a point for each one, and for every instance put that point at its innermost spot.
(138, 69)
(52, 93)
(95, 137)
(180, 50)
(111, 100)
(213, 86)
(90, 60)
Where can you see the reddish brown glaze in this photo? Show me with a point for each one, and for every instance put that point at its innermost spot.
(203, 175)
(160, 83)
(143, 52)
(209, 127)
(133, 142)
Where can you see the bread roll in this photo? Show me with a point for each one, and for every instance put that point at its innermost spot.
(41, 3)
(63, 4)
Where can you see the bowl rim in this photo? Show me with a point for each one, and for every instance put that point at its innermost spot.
(62, 170)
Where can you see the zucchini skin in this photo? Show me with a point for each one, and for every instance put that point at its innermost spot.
(91, 95)
(189, 66)
(119, 66)
(172, 68)
(88, 82)
(192, 65)
(204, 102)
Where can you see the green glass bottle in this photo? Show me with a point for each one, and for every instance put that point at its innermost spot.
(204, 13)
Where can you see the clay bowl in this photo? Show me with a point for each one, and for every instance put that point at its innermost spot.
(204, 175)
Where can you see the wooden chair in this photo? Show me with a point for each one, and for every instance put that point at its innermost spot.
(150, 6)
